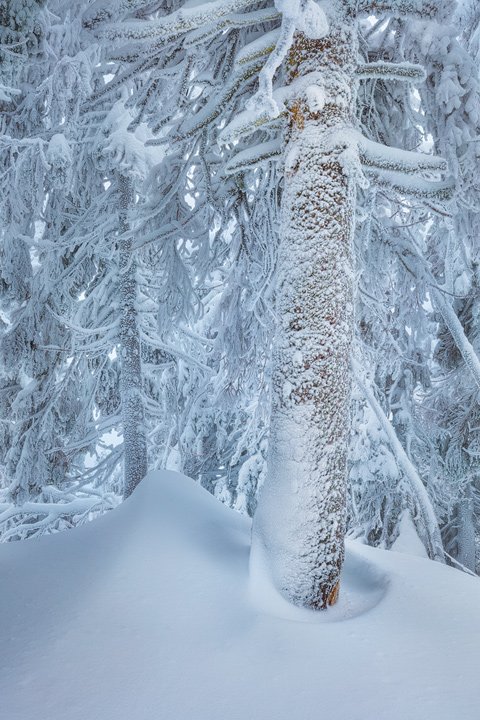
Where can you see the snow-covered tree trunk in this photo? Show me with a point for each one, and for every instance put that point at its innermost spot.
(466, 530)
(299, 525)
(134, 441)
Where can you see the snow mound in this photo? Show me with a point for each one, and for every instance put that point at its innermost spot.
(148, 613)
(362, 587)
(408, 540)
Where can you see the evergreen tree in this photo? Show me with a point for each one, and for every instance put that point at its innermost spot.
(309, 123)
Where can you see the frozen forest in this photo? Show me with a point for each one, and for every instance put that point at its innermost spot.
(239, 242)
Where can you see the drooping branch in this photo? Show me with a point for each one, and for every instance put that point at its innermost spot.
(412, 187)
(217, 103)
(254, 157)
(241, 20)
(457, 332)
(433, 537)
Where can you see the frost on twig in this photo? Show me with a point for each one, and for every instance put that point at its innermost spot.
(381, 157)
(177, 23)
(412, 187)
(104, 10)
(254, 157)
(258, 48)
(236, 20)
(409, 72)
(215, 106)
(424, 9)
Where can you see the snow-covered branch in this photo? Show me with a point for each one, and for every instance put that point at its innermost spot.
(102, 11)
(424, 9)
(430, 524)
(177, 23)
(458, 334)
(254, 157)
(258, 48)
(218, 102)
(412, 187)
(406, 72)
(381, 157)
(205, 33)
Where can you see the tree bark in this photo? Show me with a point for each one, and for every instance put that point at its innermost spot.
(134, 441)
(466, 530)
(299, 525)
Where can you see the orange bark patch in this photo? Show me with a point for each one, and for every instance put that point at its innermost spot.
(296, 115)
(333, 595)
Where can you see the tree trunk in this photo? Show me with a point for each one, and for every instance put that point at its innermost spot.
(134, 441)
(466, 530)
(299, 525)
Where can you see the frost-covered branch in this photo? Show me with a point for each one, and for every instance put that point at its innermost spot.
(8, 94)
(430, 524)
(297, 15)
(177, 23)
(254, 157)
(258, 48)
(381, 157)
(457, 332)
(404, 72)
(101, 11)
(424, 9)
(412, 187)
(246, 123)
(205, 33)
(218, 103)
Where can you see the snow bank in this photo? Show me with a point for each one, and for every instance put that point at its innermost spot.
(148, 613)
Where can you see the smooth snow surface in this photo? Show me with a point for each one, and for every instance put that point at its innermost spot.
(408, 540)
(148, 613)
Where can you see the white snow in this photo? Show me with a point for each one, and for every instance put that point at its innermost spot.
(306, 16)
(408, 540)
(149, 613)
(8, 93)
(315, 98)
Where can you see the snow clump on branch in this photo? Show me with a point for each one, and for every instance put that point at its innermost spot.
(59, 158)
(303, 15)
(117, 147)
(306, 15)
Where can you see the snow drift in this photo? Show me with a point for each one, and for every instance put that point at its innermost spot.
(148, 613)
